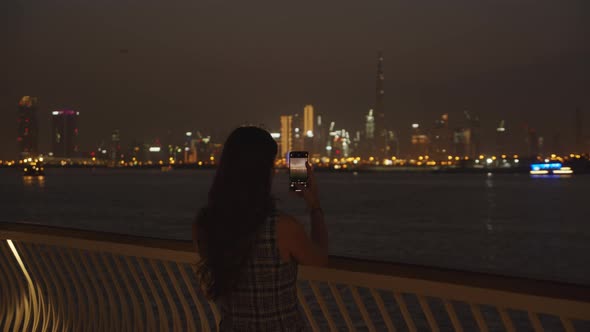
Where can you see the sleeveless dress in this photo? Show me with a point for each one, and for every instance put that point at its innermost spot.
(265, 298)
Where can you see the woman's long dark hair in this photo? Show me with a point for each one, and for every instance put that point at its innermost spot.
(239, 202)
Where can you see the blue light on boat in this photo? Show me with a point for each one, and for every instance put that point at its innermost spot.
(547, 166)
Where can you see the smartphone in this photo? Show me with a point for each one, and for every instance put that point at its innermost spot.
(297, 169)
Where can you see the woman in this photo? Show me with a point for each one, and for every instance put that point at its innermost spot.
(249, 251)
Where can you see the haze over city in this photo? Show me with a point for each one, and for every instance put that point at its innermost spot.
(150, 68)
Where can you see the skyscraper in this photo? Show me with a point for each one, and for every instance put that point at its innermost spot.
(420, 141)
(462, 141)
(475, 137)
(441, 138)
(64, 133)
(308, 129)
(380, 138)
(286, 135)
(297, 132)
(28, 130)
(320, 137)
(308, 125)
(115, 146)
(370, 126)
(501, 138)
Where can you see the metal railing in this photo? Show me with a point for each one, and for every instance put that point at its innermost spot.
(67, 280)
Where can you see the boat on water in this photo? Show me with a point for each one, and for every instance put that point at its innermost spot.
(33, 167)
(550, 169)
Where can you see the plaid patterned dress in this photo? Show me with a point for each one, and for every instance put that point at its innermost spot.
(265, 298)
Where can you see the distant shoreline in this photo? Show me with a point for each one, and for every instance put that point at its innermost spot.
(358, 169)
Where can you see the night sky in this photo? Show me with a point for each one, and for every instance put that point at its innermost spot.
(149, 67)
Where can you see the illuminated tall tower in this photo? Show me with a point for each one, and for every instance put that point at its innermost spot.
(308, 121)
(380, 143)
(28, 130)
(501, 138)
(64, 133)
(370, 126)
(286, 135)
(308, 129)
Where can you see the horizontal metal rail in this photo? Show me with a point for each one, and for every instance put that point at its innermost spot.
(55, 279)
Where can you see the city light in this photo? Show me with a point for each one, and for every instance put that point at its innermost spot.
(415, 125)
(563, 170)
(539, 172)
(189, 134)
(275, 135)
(154, 149)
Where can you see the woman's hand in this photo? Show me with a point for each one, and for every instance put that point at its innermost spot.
(310, 192)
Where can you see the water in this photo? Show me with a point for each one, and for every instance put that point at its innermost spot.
(506, 224)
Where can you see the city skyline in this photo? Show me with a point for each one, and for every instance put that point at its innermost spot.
(147, 80)
(303, 130)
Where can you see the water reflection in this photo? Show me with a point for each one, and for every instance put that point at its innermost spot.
(34, 181)
(551, 176)
(491, 201)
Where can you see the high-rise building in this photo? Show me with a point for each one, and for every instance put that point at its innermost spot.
(501, 138)
(462, 141)
(298, 135)
(64, 133)
(115, 146)
(370, 126)
(441, 138)
(308, 129)
(420, 141)
(340, 143)
(28, 130)
(286, 135)
(320, 137)
(473, 124)
(308, 123)
(380, 145)
(366, 147)
(205, 150)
